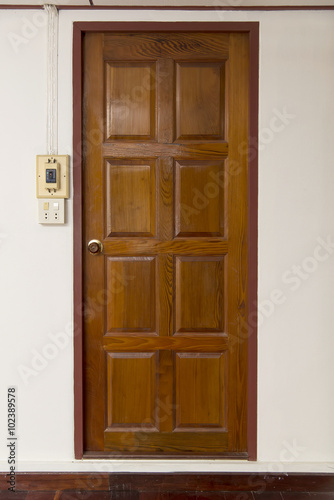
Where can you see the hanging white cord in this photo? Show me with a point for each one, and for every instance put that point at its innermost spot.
(52, 80)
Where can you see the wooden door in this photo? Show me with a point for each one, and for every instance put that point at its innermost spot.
(165, 191)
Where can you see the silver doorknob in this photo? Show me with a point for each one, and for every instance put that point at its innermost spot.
(95, 247)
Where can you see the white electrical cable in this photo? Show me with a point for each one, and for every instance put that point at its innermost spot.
(52, 80)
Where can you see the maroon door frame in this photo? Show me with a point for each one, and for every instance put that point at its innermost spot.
(79, 29)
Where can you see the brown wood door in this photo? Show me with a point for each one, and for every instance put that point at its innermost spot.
(165, 191)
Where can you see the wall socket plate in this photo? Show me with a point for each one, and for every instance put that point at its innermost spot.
(61, 164)
(51, 211)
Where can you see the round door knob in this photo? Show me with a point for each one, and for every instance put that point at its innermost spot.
(95, 247)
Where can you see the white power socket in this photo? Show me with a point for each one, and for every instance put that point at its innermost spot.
(51, 211)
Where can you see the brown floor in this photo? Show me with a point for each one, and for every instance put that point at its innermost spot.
(135, 495)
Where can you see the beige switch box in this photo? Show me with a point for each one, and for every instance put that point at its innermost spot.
(52, 176)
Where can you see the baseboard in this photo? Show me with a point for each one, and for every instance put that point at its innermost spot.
(216, 482)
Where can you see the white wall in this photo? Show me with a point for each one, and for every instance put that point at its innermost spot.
(296, 207)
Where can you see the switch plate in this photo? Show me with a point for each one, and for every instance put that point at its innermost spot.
(52, 176)
(51, 211)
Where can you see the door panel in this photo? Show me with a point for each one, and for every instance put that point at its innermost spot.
(132, 295)
(198, 292)
(132, 390)
(199, 391)
(199, 198)
(130, 100)
(165, 190)
(200, 83)
(130, 198)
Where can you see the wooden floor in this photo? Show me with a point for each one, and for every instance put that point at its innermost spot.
(167, 486)
(136, 495)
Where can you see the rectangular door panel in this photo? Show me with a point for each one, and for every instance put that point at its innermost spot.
(130, 101)
(199, 391)
(200, 101)
(132, 294)
(132, 391)
(199, 198)
(199, 295)
(130, 198)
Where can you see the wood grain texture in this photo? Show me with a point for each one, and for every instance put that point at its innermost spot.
(148, 46)
(41, 495)
(178, 246)
(199, 195)
(190, 150)
(253, 244)
(132, 300)
(93, 495)
(199, 391)
(52, 481)
(172, 443)
(238, 482)
(130, 99)
(132, 391)
(166, 312)
(166, 199)
(93, 359)
(166, 289)
(234, 495)
(198, 343)
(166, 99)
(77, 241)
(200, 110)
(199, 295)
(165, 402)
(293, 486)
(237, 172)
(130, 198)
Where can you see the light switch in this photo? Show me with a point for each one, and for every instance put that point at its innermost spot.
(52, 174)
(46, 205)
(56, 206)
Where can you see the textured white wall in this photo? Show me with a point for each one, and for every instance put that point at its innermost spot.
(296, 206)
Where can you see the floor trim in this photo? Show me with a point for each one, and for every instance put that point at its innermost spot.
(171, 482)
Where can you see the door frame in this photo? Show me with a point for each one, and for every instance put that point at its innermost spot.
(79, 29)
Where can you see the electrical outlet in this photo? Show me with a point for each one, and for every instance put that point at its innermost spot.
(51, 211)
